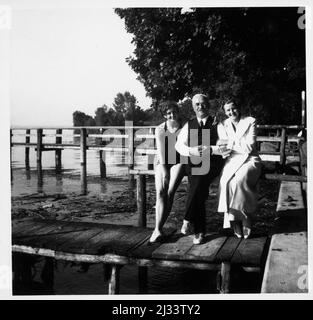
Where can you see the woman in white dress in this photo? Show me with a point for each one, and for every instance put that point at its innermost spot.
(168, 169)
(238, 183)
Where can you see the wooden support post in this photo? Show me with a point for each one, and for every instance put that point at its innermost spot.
(282, 160)
(58, 152)
(103, 169)
(11, 169)
(83, 159)
(102, 155)
(142, 222)
(151, 156)
(303, 111)
(143, 279)
(303, 162)
(22, 268)
(39, 157)
(131, 153)
(27, 140)
(39, 178)
(47, 274)
(225, 277)
(141, 200)
(39, 146)
(114, 281)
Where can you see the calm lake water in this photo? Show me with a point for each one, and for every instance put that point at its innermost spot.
(25, 182)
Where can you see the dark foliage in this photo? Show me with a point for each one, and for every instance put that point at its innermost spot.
(257, 54)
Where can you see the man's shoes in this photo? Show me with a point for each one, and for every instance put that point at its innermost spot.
(246, 232)
(198, 238)
(237, 230)
(186, 228)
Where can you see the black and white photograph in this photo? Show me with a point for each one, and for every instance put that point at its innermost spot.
(154, 151)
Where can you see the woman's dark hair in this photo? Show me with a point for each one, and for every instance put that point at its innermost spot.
(167, 105)
(230, 99)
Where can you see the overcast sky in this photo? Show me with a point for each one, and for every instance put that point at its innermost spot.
(64, 59)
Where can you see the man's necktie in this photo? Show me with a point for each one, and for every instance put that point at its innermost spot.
(201, 125)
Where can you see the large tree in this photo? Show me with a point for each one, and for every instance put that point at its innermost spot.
(81, 119)
(254, 53)
(126, 105)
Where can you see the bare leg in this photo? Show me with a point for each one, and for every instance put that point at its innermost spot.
(177, 174)
(161, 203)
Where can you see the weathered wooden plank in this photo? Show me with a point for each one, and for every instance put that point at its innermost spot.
(285, 177)
(52, 234)
(250, 252)
(50, 240)
(228, 249)
(208, 250)
(75, 242)
(20, 226)
(175, 249)
(98, 243)
(286, 269)
(130, 239)
(290, 197)
(119, 244)
(68, 230)
(146, 249)
(38, 228)
(27, 228)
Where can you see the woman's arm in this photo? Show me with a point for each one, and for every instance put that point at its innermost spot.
(247, 143)
(222, 141)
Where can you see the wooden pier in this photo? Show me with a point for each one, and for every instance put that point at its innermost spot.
(286, 269)
(116, 246)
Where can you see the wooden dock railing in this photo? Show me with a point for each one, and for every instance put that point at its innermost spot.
(131, 140)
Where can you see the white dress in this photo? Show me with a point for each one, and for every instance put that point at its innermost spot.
(242, 169)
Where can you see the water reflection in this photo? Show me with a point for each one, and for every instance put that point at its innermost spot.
(83, 179)
(28, 175)
(103, 186)
(58, 180)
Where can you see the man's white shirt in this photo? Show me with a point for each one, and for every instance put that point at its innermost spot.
(182, 140)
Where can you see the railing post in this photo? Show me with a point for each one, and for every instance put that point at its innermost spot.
(103, 170)
(39, 146)
(83, 159)
(303, 111)
(39, 157)
(151, 156)
(282, 160)
(131, 153)
(27, 140)
(58, 152)
(141, 200)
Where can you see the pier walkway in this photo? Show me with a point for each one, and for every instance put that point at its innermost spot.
(117, 245)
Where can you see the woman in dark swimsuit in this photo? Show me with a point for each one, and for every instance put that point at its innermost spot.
(168, 171)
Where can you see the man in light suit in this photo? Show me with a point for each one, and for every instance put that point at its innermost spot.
(203, 162)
